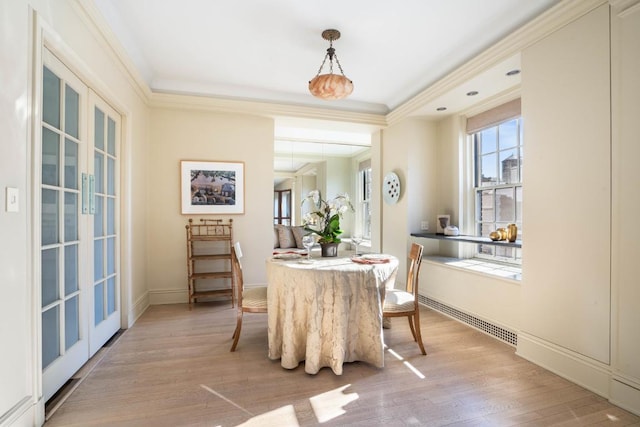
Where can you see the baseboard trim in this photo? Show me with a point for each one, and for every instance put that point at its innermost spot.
(588, 373)
(625, 395)
(168, 296)
(139, 307)
(22, 413)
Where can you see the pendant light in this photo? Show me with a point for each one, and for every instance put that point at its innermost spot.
(330, 86)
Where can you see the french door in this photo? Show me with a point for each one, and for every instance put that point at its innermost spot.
(78, 215)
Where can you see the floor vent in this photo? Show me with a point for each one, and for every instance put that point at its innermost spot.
(114, 338)
(70, 386)
(502, 334)
(60, 396)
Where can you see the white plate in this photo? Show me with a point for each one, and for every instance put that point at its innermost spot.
(287, 256)
(374, 256)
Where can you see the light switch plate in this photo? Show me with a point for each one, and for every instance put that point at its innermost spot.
(424, 225)
(12, 204)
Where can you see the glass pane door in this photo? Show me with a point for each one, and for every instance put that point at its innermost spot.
(79, 223)
(64, 334)
(106, 279)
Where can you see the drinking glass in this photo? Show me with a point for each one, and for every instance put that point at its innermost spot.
(356, 239)
(308, 241)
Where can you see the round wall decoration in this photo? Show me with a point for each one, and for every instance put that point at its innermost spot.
(391, 188)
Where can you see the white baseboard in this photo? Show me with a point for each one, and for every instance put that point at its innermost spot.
(24, 413)
(588, 373)
(625, 393)
(168, 296)
(138, 308)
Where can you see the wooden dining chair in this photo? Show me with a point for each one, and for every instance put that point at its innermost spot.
(253, 300)
(400, 303)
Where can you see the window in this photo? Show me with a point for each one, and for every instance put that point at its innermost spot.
(363, 206)
(282, 207)
(498, 156)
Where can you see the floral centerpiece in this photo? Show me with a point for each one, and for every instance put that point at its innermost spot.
(324, 219)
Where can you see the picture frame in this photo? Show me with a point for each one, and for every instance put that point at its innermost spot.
(443, 221)
(212, 187)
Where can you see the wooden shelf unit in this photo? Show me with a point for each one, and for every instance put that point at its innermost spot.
(209, 245)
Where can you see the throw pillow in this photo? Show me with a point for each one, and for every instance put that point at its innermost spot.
(276, 240)
(298, 232)
(285, 236)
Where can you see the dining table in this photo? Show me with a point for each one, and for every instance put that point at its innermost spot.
(327, 311)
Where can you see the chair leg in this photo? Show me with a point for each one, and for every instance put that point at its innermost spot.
(413, 329)
(236, 334)
(416, 320)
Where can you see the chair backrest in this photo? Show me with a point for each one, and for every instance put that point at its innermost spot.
(236, 246)
(415, 257)
(236, 271)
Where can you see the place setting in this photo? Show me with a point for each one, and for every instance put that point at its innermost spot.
(371, 259)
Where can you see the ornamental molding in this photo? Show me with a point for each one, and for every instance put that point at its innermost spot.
(557, 17)
(624, 8)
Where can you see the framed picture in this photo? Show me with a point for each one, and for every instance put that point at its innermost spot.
(442, 223)
(212, 187)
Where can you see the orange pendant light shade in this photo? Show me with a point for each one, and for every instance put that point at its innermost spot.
(330, 86)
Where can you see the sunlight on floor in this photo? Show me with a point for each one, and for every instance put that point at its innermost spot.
(613, 417)
(328, 406)
(281, 417)
(407, 364)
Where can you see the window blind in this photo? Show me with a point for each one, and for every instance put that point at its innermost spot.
(492, 117)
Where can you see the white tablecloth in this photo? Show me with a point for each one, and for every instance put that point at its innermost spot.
(327, 312)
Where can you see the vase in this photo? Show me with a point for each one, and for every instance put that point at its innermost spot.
(329, 249)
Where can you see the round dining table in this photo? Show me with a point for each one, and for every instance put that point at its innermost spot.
(327, 311)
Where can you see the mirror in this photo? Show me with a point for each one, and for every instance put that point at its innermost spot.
(327, 156)
(304, 166)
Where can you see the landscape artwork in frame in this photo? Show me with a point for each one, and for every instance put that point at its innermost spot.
(212, 187)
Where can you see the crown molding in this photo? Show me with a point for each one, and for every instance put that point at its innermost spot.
(273, 110)
(103, 33)
(548, 22)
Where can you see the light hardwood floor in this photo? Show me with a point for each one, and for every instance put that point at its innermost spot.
(174, 368)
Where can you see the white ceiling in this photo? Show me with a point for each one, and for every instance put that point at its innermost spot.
(268, 50)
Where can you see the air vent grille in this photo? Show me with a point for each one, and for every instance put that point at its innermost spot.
(498, 332)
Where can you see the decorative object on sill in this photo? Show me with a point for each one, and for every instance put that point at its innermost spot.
(442, 223)
(330, 86)
(329, 249)
(391, 188)
(512, 232)
(498, 235)
(324, 219)
(451, 230)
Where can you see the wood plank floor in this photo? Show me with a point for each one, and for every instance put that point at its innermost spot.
(174, 368)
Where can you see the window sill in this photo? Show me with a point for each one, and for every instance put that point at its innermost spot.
(469, 239)
(480, 266)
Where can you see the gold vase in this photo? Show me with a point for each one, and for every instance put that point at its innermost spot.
(512, 232)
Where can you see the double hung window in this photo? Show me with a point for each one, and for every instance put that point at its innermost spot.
(498, 158)
(364, 200)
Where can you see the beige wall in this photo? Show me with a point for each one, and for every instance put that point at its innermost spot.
(625, 233)
(62, 26)
(566, 110)
(205, 136)
(577, 308)
(409, 150)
